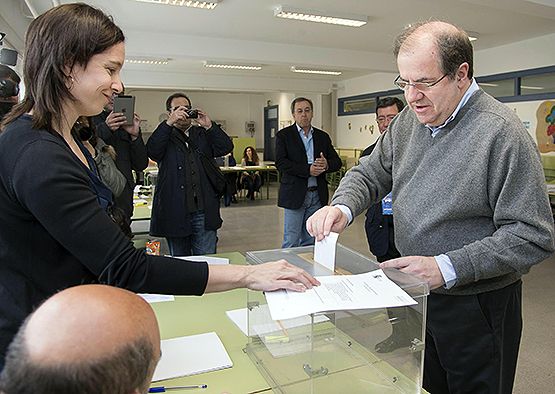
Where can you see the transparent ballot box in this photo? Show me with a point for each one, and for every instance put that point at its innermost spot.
(377, 350)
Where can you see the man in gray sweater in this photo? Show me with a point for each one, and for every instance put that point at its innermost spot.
(471, 209)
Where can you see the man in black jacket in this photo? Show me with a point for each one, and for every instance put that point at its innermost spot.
(186, 207)
(304, 154)
(130, 150)
(379, 221)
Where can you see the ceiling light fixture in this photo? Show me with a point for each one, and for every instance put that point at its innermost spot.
(309, 71)
(233, 66)
(287, 12)
(161, 61)
(207, 5)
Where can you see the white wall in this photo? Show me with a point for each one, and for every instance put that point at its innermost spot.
(233, 108)
(360, 131)
(522, 55)
(517, 56)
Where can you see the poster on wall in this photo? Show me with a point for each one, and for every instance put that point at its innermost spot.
(545, 129)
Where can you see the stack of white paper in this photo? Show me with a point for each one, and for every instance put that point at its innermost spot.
(191, 355)
(339, 292)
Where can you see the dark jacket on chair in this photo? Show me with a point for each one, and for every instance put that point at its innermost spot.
(293, 167)
(167, 146)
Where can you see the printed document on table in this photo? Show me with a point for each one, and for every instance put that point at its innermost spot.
(324, 251)
(339, 292)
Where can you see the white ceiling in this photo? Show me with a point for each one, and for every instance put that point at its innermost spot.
(245, 31)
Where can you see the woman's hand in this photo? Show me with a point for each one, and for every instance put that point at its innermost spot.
(265, 277)
(279, 275)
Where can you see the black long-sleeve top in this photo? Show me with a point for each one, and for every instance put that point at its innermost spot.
(54, 234)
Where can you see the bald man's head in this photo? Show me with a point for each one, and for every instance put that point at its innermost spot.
(92, 338)
(452, 45)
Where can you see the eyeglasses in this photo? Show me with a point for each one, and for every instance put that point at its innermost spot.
(382, 119)
(420, 86)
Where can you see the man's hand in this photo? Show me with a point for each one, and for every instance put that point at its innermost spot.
(322, 161)
(115, 120)
(133, 130)
(176, 115)
(203, 119)
(423, 267)
(326, 220)
(319, 166)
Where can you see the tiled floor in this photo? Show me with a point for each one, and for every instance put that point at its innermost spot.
(258, 225)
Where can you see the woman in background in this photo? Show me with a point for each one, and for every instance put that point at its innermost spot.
(54, 232)
(250, 180)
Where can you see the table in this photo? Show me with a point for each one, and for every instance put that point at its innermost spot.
(196, 315)
(265, 168)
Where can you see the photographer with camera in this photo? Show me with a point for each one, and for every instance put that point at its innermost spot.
(130, 150)
(186, 207)
(9, 89)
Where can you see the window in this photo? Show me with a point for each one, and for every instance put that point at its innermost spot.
(499, 88)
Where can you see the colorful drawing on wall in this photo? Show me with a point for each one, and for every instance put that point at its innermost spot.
(545, 129)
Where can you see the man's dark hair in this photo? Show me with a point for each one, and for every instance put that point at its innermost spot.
(174, 96)
(454, 48)
(59, 39)
(7, 72)
(126, 370)
(388, 102)
(298, 100)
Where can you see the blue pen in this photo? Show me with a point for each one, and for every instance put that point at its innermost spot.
(163, 389)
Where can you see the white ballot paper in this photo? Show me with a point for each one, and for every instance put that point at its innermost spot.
(324, 251)
(339, 292)
(209, 259)
(153, 298)
(239, 317)
(191, 355)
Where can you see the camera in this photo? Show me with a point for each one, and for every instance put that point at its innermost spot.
(8, 88)
(192, 113)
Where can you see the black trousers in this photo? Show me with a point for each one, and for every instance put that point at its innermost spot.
(472, 341)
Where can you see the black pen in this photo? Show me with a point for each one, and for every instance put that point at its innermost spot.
(163, 389)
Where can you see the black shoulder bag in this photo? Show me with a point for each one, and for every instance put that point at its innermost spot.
(213, 172)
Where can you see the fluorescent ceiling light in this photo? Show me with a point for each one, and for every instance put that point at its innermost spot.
(488, 84)
(531, 87)
(310, 71)
(138, 60)
(207, 5)
(233, 66)
(286, 12)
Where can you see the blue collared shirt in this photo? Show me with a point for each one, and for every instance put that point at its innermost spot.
(308, 143)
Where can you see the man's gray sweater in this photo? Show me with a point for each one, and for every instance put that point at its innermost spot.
(475, 192)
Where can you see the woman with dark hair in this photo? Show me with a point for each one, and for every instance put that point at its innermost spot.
(250, 180)
(54, 232)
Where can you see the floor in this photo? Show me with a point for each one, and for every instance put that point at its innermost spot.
(258, 225)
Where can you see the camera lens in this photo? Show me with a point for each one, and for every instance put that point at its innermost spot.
(192, 113)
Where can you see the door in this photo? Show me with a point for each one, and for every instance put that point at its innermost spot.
(271, 119)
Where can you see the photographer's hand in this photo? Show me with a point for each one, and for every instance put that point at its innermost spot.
(203, 119)
(115, 120)
(176, 115)
(133, 130)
